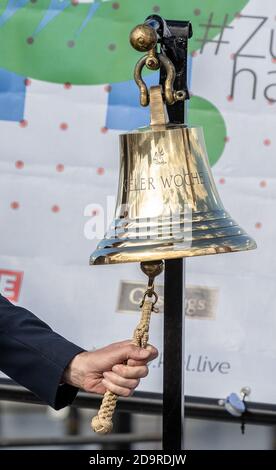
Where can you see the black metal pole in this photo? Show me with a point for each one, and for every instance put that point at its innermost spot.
(72, 422)
(122, 424)
(173, 380)
(174, 36)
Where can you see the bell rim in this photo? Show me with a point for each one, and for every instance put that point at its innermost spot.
(130, 255)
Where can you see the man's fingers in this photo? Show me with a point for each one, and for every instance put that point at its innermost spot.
(121, 391)
(124, 350)
(138, 354)
(132, 362)
(153, 354)
(130, 372)
(121, 381)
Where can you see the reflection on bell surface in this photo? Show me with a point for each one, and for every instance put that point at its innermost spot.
(167, 204)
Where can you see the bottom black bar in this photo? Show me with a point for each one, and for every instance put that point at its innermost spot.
(117, 459)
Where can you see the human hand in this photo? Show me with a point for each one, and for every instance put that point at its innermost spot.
(117, 367)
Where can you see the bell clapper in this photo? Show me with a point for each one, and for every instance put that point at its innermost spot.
(102, 423)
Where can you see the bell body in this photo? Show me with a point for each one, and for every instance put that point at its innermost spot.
(167, 204)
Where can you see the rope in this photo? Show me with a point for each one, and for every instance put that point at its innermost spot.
(102, 423)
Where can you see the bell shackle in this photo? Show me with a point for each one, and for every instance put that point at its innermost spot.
(171, 95)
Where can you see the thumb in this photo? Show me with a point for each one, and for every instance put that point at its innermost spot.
(125, 350)
(137, 353)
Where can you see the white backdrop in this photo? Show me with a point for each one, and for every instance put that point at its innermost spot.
(60, 162)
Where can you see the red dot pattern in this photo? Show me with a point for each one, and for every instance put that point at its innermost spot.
(226, 139)
(19, 164)
(55, 208)
(94, 212)
(63, 126)
(75, 2)
(60, 167)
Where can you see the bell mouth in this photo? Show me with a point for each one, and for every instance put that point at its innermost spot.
(215, 234)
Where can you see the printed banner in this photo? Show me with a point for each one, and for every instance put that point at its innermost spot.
(66, 93)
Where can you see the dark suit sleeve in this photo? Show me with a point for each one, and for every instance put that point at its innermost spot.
(35, 356)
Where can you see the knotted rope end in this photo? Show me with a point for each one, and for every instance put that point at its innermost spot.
(101, 426)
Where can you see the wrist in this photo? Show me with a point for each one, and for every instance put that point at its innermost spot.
(75, 372)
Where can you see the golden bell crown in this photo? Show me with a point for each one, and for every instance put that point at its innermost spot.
(167, 203)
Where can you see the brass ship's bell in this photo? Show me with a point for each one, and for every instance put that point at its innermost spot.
(167, 204)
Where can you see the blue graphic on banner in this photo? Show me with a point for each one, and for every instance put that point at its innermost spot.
(124, 111)
(55, 8)
(11, 9)
(92, 10)
(12, 96)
